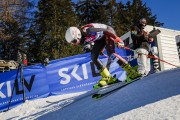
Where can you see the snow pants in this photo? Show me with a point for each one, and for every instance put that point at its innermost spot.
(110, 48)
(143, 61)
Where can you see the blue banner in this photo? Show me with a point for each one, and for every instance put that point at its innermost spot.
(131, 58)
(35, 86)
(77, 73)
(66, 75)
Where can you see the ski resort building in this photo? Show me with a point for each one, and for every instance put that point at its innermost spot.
(167, 46)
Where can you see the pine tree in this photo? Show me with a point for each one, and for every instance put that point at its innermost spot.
(137, 10)
(119, 19)
(111, 9)
(53, 19)
(12, 26)
(91, 11)
(100, 12)
(84, 10)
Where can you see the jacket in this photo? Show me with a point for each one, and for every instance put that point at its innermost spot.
(139, 40)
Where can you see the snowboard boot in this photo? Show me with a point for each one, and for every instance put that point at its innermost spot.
(106, 79)
(131, 73)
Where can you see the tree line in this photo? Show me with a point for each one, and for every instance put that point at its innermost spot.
(39, 28)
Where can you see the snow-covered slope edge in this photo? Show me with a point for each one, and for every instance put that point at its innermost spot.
(154, 88)
(154, 97)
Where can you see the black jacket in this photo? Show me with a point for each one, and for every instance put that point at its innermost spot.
(139, 41)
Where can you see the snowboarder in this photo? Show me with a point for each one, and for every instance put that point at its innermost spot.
(141, 43)
(95, 37)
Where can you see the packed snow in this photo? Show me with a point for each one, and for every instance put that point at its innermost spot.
(155, 97)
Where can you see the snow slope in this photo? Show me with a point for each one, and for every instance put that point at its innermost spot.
(155, 97)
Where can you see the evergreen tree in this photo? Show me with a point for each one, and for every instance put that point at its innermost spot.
(135, 11)
(111, 9)
(53, 19)
(12, 26)
(44, 33)
(85, 10)
(120, 19)
(100, 13)
(91, 11)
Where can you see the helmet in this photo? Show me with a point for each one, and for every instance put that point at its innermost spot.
(143, 21)
(72, 34)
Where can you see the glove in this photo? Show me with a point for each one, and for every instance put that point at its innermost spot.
(151, 39)
(118, 39)
(120, 44)
(145, 34)
(88, 47)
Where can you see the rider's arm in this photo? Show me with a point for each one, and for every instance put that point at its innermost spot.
(106, 32)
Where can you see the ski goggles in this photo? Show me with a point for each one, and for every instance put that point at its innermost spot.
(75, 41)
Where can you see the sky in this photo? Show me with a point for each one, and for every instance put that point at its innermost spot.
(155, 97)
(167, 12)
